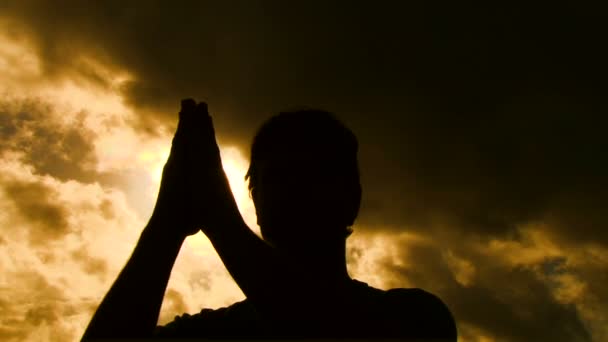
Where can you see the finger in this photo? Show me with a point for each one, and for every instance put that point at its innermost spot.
(205, 121)
(202, 107)
(198, 118)
(185, 113)
(188, 104)
(184, 124)
(207, 132)
(178, 149)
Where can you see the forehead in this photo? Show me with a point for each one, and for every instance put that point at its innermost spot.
(302, 157)
(288, 167)
(310, 151)
(294, 161)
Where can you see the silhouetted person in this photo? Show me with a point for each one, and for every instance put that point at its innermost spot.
(304, 181)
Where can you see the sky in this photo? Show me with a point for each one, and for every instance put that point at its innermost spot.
(482, 152)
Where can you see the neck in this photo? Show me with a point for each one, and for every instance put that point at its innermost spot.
(324, 260)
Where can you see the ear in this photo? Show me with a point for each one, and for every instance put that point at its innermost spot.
(253, 193)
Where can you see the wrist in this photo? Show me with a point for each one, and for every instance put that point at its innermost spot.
(163, 229)
(227, 227)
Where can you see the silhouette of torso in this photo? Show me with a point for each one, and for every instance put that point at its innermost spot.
(396, 313)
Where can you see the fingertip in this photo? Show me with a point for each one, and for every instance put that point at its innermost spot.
(202, 106)
(188, 103)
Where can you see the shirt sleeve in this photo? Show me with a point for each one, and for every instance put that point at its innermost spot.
(207, 323)
(235, 321)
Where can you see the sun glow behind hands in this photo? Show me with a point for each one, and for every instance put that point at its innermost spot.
(235, 166)
(106, 199)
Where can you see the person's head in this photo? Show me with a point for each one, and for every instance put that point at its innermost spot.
(304, 178)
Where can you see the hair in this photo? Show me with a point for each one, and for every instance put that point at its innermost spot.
(304, 130)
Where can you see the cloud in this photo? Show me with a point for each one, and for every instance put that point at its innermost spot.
(513, 289)
(472, 122)
(34, 201)
(54, 143)
(53, 212)
(67, 206)
(42, 311)
(90, 264)
(55, 257)
(463, 122)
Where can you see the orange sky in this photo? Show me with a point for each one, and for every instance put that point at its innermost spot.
(81, 154)
(99, 225)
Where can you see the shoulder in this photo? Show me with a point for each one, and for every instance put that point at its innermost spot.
(419, 313)
(238, 318)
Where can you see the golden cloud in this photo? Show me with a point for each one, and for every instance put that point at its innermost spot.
(497, 206)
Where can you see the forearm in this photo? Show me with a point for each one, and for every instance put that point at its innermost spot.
(132, 306)
(268, 280)
(249, 260)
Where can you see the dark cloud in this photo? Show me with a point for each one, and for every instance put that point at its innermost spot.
(176, 301)
(201, 280)
(509, 303)
(107, 209)
(585, 271)
(42, 314)
(173, 304)
(65, 151)
(62, 151)
(47, 305)
(472, 120)
(90, 265)
(480, 118)
(9, 327)
(37, 203)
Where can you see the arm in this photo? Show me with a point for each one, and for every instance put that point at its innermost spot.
(131, 307)
(279, 291)
(254, 266)
(195, 194)
(275, 287)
